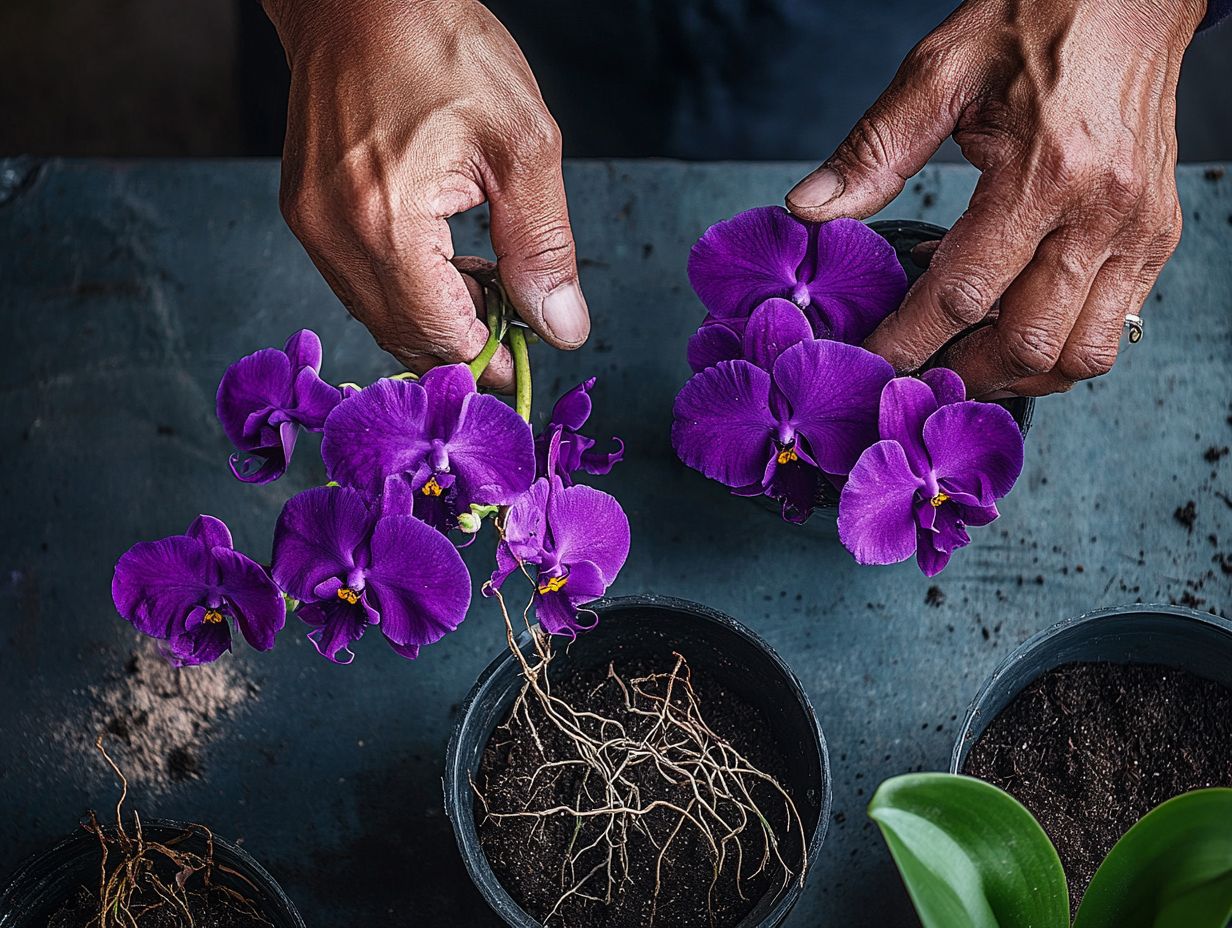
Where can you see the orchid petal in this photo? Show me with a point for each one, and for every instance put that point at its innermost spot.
(946, 385)
(774, 327)
(376, 433)
(417, 581)
(856, 280)
(975, 447)
(259, 381)
(321, 533)
(303, 349)
(157, 583)
(574, 407)
(336, 625)
(876, 510)
(711, 344)
(447, 387)
(588, 525)
(832, 390)
(740, 262)
(257, 604)
(210, 531)
(202, 644)
(906, 404)
(314, 400)
(723, 425)
(492, 453)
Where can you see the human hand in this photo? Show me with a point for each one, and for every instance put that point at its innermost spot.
(1068, 108)
(401, 115)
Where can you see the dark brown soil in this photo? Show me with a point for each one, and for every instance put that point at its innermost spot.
(209, 910)
(527, 857)
(1090, 748)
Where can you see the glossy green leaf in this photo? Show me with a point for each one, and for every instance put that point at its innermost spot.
(1171, 870)
(970, 855)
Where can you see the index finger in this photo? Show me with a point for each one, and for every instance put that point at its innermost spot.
(976, 261)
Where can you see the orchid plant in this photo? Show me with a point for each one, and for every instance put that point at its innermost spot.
(784, 403)
(414, 465)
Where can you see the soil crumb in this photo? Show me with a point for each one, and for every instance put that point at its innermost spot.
(1187, 515)
(529, 856)
(1090, 748)
(934, 597)
(159, 720)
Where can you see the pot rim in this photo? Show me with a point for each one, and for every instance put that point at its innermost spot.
(466, 834)
(1044, 637)
(30, 871)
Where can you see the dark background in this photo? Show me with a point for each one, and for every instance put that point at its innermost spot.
(695, 79)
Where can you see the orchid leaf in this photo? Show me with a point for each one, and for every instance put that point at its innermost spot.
(1171, 870)
(970, 855)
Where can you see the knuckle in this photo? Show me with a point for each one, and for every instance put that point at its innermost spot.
(963, 301)
(535, 139)
(1028, 351)
(1122, 188)
(1082, 362)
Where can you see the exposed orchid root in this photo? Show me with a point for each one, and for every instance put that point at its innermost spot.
(602, 755)
(138, 876)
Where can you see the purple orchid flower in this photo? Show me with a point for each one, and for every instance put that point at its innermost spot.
(576, 537)
(576, 451)
(265, 398)
(941, 465)
(451, 444)
(185, 590)
(352, 565)
(798, 408)
(843, 275)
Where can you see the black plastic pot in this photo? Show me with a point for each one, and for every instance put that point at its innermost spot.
(45, 882)
(639, 626)
(904, 235)
(1197, 642)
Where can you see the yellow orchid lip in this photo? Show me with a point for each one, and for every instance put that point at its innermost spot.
(788, 454)
(431, 488)
(348, 595)
(939, 499)
(212, 616)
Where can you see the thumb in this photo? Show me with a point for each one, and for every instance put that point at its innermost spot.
(891, 142)
(534, 246)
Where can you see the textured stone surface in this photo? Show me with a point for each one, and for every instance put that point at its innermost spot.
(125, 289)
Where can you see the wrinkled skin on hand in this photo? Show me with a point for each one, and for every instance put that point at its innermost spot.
(401, 115)
(1068, 108)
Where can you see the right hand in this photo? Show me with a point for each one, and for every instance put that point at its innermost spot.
(401, 115)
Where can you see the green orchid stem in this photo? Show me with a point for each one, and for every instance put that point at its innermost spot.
(521, 372)
(484, 358)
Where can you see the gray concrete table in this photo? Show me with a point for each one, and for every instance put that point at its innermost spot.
(125, 289)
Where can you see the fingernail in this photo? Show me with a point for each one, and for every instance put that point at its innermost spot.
(818, 189)
(565, 314)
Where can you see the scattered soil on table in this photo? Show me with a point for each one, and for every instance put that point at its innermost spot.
(1187, 515)
(1090, 748)
(209, 910)
(160, 719)
(528, 855)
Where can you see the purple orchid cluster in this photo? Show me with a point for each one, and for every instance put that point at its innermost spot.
(783, 401)
(411, 463)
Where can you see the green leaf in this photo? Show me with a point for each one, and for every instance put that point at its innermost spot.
(1171, 870)
(970, 855)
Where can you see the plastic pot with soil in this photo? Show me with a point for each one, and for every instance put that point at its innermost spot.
(672, 769)
(1094, 722)
(222, 886)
